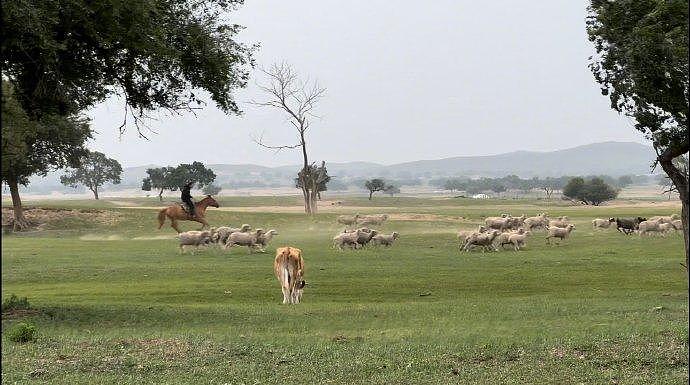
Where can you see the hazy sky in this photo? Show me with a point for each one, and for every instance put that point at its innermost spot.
(406, 80)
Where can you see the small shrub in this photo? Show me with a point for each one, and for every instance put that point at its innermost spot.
(15, 303)
(22, 332)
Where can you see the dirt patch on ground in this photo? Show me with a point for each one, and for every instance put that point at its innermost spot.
(124, 203)
(43, 217)
(424, 217)
(96, 237)
(19, 313)
(154, 237)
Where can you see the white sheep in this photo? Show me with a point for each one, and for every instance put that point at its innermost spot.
(194, 238)
(348, 220)
(561, 222)
(599, 223)
(221, 234)
(464, 234)
(249, 239)
(649, 226)
(264, 239)
(485, 240)
(518, 239)
(504, 238)
(665, 228)
(372, 219)
(559, 232)
(498, 223)
(539, 221)
(665, 219)
(347, 239)
(385, 239)
(678, 224)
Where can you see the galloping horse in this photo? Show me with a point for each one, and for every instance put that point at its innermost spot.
(176, 212)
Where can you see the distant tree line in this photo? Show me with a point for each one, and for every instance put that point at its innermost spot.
(512, 182)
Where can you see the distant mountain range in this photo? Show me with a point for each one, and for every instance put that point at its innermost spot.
(608, 158)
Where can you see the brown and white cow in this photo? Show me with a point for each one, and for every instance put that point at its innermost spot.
(289, 269)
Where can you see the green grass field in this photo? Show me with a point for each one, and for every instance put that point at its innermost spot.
(118, 304)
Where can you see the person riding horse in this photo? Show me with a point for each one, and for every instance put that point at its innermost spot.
(187, 197)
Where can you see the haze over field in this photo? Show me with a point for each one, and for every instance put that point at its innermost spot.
(609, 158)
(404, 83)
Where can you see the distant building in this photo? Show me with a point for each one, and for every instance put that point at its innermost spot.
(480, 196)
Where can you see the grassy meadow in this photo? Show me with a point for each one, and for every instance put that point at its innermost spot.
(115, 303)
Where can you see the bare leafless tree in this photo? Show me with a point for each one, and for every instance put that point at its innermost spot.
(297, 99)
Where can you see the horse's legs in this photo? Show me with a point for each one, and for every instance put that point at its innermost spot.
(203, 222)
(173, 224)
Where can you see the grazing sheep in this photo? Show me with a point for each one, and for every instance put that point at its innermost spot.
(220, 234)
(372, 219)
(561, 222)
(383, 239)
(504, 238)
(264, 239)
(348, 220)
(485, 240)
(649, 226)
(244, 239)
(194, 238)
(539, 221)
(677, 224)
(518, 239)
(559, 232)
(348, 238)
(628, 225)
(599, 223)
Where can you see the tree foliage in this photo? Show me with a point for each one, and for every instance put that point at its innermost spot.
(378, 184)
(66, 56)
(173, 178)
(641, 63)
(211, 189)
(94, 171)
(592, 192)
(35, 146)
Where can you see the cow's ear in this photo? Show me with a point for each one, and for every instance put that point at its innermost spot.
(302, 284)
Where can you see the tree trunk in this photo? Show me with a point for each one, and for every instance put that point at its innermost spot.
(680, 180)
(20, 222)
(95, 192)
(370, 194)
(160, 195)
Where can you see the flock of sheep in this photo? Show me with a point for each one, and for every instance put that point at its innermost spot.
(227, 237)
(508, 230)
(661, 225)
(359, 238)
(494, 234)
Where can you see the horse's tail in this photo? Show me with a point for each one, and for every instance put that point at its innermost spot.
(161, 218)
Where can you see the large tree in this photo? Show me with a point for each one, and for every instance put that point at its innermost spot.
(94, 171)
(641, 63)
(173, 178)
(35, 146)
(158, 179)
(297, 99)
(375, 185)
(63, 57)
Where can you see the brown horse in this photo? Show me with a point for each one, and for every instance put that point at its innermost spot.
(176, 212)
